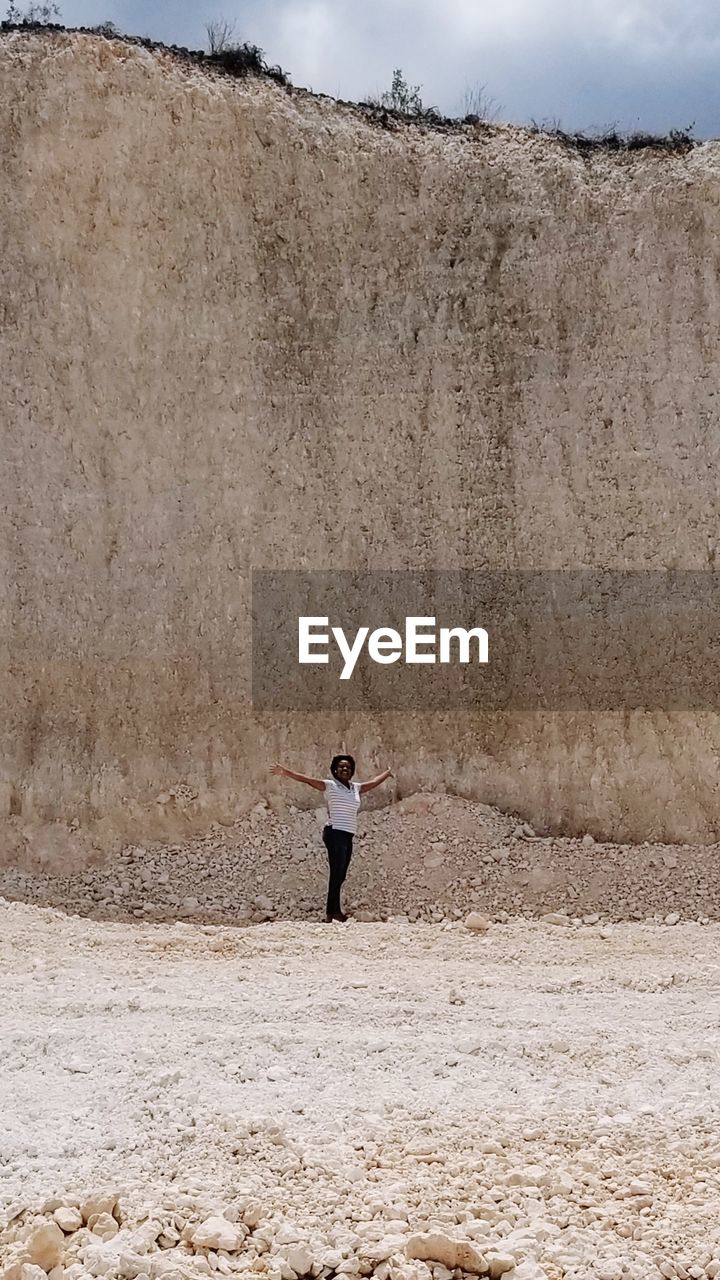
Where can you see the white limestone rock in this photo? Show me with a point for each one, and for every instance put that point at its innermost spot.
(530, 1175)
(104, 1226)
(557, 1182)
(476, 923)
(435, 1246)
(68, 1218)
(609, 1270)
(381, 1250)
(45, 1246)
(530, 1269)
(29, 1271)
(498, 1264)
(299, 1258)
(102, 1259)
(252, 1215)
(143, 1239)
(105, 1202)
(217, 1233)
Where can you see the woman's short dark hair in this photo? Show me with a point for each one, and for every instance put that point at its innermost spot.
(336, 761)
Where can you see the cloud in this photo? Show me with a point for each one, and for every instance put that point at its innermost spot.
(312, 35)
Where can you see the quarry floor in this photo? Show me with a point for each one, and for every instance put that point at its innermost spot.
(550, 1093)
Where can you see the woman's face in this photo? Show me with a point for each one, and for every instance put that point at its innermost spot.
(343, 772)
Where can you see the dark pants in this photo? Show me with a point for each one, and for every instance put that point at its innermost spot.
(339, 850)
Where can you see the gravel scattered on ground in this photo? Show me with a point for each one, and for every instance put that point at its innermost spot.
(419, 1101)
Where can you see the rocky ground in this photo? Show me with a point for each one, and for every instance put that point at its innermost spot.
(506, 1063)
(420, 1101)
(429, 857)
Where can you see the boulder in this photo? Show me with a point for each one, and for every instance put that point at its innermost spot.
(435, 1246)
(104, 1202)
(217, 1233)
(476, 923)
(45, 1246)
(68, 1218)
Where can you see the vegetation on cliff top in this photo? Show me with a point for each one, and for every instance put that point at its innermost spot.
(398, 105)
(613, 140)
(233, 58)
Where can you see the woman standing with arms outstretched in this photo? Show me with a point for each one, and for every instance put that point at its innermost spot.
(342, 797)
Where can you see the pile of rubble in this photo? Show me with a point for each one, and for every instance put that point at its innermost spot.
(74, 1240)
(429, 857)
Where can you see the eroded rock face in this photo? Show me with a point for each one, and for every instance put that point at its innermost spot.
(506, 363)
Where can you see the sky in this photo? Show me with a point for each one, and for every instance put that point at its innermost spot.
(650, 65)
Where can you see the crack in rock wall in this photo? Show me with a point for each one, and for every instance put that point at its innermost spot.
(242, 327)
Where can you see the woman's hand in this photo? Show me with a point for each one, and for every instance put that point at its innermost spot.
(278, 770)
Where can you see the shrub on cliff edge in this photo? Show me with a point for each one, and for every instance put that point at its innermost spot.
(680, 140)
(238, 58)
(402, 99)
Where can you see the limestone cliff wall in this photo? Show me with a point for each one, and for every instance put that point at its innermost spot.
(241, 327)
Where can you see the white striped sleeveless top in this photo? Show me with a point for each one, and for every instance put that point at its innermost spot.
(342, 804)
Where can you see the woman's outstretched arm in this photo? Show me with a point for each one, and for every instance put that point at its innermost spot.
(375, 782)
(281, 772)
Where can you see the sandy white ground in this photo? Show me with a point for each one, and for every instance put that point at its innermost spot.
(373, 1078)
